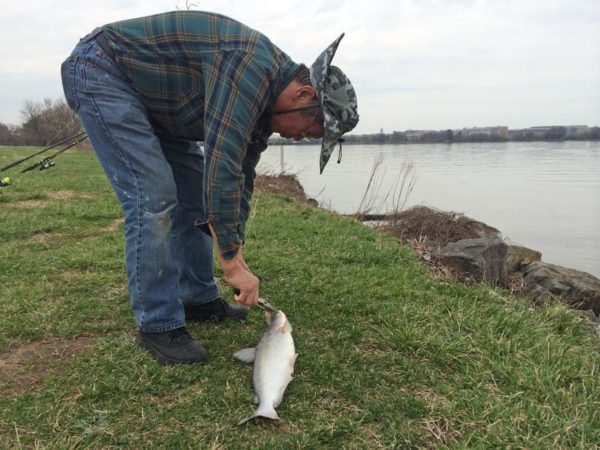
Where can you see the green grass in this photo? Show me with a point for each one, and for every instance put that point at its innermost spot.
(389, 356)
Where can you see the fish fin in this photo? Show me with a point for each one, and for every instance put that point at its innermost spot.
(256, 400)
(266, 411)
(285, 328)
(246, 355)
(262, 411)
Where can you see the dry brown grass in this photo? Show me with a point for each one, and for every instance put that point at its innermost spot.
(432, 227)
(283, 184)
(52, 197)
(22, 368)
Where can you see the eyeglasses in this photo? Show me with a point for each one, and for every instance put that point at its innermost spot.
(303, 108)
(305, 134)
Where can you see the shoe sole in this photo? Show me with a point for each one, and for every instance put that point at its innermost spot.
(166, 360)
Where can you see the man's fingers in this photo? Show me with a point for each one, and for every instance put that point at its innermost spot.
(254, 298)
(241, 298)
(247, 298)
(245, 284)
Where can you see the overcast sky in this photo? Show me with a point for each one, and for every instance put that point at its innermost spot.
(415, 64)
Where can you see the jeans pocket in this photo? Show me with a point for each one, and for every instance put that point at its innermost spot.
(67, 73)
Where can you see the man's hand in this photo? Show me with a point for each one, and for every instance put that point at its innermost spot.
(238, 275)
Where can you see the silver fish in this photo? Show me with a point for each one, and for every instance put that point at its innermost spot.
(273, 359)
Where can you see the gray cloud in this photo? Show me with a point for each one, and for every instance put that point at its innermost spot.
(415, 64)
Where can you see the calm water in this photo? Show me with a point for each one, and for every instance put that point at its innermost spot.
(542, 195)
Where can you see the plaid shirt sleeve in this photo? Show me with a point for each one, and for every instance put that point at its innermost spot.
(206, 77)
(236, 90)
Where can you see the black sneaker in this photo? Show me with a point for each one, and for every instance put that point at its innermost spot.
(218, 310)
(173, 347)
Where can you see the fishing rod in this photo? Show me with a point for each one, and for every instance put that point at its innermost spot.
(46, 163)
(16, 163)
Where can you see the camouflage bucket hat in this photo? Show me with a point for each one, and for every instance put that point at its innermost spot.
(338, 100)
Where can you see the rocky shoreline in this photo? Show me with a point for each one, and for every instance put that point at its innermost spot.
(476, 251)
(463, 249)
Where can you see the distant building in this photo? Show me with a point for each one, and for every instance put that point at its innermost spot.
(538, 132)
(482, 132)
(549, 132)
(414, 135)
(515, 134)
(528, 133)
(575, 130)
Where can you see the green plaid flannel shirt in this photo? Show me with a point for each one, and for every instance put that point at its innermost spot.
(206, 77)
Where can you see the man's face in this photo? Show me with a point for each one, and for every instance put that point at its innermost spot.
(297, 125)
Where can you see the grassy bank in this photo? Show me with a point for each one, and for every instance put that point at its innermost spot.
(389, 357)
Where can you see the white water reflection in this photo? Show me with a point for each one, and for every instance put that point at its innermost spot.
(544, 195)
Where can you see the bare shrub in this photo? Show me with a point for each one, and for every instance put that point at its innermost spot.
(394, 201)
(46, 122)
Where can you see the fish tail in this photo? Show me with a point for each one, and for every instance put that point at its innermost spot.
(262, 411)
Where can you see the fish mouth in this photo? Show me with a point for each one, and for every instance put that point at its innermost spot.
(279, 322)
(265, 305)
(276, 319)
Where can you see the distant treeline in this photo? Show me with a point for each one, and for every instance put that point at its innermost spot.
(50, 121)
(557, 133)
(44, 123)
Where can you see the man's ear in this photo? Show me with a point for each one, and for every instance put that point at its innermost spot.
(304, 93)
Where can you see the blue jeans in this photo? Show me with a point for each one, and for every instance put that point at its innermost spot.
(158, 181)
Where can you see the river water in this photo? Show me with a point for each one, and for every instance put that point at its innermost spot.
(543, 195)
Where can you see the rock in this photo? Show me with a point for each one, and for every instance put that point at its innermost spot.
(484, 258)
(439, 228)
(547, 281)
(483, 230)
(518, 257)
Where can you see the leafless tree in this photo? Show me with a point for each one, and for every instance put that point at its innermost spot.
(6, 134)
(47, 122)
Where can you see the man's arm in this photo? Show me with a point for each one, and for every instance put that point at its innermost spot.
(238, 275)
(235, 95)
